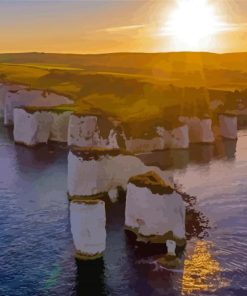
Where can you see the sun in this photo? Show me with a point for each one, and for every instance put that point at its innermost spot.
(192, 24)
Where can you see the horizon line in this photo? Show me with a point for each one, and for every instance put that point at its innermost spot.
(122, 52)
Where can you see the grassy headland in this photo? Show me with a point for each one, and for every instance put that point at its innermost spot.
(135, 88)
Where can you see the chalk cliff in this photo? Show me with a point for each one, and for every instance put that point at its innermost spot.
(93, 172)
(35, 127)
(87, 221)
(228, 125)
(31, 128)
(91, 131)
(26, 97)
(154, 210)
(200, 129)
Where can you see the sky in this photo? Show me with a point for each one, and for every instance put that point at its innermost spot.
(99, 26)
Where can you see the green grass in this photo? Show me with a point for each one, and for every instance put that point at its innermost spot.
(140, 90)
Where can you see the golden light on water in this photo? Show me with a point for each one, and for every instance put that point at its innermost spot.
(201, 271)
(192, 24)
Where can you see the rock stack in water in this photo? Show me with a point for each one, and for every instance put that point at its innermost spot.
(155, 212)
(32, 126)
(94, 173)
(200, 129)
(87, 220)
(228, 125)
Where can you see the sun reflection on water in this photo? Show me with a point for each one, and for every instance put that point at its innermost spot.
(202, 273)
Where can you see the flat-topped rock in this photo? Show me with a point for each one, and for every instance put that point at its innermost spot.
(155, 212)
(87, 221)
(228, 125)
(31, 129)
(200, 129)
(33, 126)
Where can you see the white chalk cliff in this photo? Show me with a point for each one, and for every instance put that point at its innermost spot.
(84, 131)
(25, 97)
(154, 214)
(200, 129)
(87, 220)
(32, 128)
(228, 126)
(90, 175)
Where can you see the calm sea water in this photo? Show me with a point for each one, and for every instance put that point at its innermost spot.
(36, 249)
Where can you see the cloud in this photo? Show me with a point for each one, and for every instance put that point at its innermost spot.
(122, 28)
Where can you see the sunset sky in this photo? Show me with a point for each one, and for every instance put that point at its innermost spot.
(111, 26)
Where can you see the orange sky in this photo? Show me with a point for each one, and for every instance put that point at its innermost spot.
(110, 26)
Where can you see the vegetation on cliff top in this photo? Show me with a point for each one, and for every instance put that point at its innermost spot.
(140, 90)
(153, 182)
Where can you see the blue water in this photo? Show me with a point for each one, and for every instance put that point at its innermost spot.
(36, 248)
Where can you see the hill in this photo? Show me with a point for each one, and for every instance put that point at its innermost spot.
(134, 87)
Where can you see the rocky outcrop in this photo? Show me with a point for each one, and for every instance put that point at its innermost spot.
(92, 172)
(36, 127)
(200, 129)
(87, 221)
(91, 131)
(26, 97)
(155, 212)
(228, 125)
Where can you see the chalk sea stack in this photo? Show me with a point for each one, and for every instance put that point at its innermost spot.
(31, 128)
(155, 212)
(88, 220)
(200, 129)
(228, 125)
(34, 125)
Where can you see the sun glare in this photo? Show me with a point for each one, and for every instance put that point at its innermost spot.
(192, 23)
